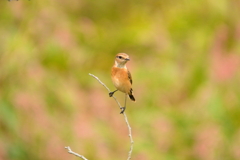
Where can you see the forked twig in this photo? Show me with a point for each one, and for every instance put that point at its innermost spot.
(124, 114)
(126, 120)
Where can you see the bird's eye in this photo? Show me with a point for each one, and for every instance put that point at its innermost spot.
(120, 57)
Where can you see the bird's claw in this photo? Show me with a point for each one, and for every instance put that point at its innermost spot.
(123, 109)
(111, 94)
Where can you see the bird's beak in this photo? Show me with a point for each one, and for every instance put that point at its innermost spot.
(127, 59)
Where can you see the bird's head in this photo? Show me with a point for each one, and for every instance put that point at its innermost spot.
(121, 59)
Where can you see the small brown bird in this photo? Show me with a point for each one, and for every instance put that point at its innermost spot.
(122, 78)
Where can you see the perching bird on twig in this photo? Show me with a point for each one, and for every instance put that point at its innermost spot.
(122, 78)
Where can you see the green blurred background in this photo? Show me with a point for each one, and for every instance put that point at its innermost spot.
(185, 66)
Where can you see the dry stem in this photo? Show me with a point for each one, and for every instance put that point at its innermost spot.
(78, 155)
(125, 117)
(126, 120)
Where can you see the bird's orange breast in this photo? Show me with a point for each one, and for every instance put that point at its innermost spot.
(120, 79)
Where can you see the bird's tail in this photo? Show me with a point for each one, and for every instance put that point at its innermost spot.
(131, 95)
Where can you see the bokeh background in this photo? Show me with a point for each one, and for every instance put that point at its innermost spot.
(185, 66)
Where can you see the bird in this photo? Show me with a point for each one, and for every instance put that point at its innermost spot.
(121, 78)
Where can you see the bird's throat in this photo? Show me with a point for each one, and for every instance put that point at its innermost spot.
(120, 65)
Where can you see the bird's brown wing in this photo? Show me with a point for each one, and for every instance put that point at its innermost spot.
(130, 77)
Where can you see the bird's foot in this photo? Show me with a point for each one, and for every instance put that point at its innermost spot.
(123, 109)
(111, 94)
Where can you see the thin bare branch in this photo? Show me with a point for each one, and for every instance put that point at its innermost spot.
(130, 136)
(78, 155)
(126, 120)
(125, 117)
